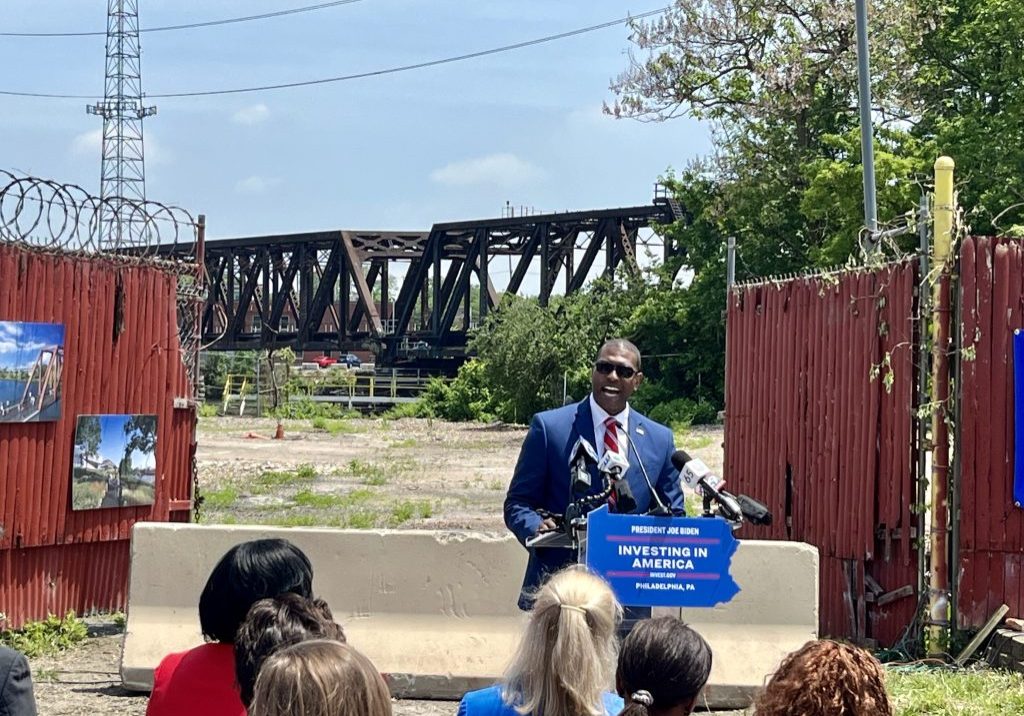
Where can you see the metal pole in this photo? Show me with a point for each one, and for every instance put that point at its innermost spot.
(938, 630)
(867, 150)
(730, 266)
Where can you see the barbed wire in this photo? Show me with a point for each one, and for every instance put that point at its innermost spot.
(53, 215)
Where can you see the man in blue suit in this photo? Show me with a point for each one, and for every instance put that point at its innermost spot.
(542, 477)
(16, 696)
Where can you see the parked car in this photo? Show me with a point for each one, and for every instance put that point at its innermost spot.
(351, 360)
(325, 361)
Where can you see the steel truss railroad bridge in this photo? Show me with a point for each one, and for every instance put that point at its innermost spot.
(330, 290)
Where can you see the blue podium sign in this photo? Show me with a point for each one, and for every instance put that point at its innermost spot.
(662, 561)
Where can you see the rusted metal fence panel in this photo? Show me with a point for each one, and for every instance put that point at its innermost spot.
(122, 356)
(989, 530)
(820, 425)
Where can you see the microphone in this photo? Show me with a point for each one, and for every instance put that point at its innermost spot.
(660, 510)
(756, 512)
(581, 457)
(614, 466)
(698, 476)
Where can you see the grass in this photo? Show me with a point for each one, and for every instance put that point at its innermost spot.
(408, 510)
(221, 499)
(407, 443)
(334, 426)
(376, 474)
(692, 441)
(943, 692)
(281, 478)
(324, 500)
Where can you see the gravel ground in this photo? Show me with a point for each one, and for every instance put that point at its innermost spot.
(459, 470)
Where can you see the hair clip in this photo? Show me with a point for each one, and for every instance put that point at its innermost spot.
(642, 697)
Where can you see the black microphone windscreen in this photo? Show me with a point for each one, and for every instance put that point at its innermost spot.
(624, 499)
(680, 458)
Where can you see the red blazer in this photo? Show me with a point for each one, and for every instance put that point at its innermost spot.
(198, 682)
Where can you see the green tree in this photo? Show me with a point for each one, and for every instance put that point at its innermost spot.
(87, 434)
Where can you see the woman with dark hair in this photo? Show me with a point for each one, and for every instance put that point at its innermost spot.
(826, 678)
(202, 680)
(274, 624)
(663, 667)
(566, 659)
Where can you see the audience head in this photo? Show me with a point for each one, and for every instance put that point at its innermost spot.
(825, 678)
(320, 678)
(663, 666)
(566, 658)
(273, 624)
(247, 573)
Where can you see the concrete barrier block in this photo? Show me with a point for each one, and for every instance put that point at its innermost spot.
(436, 611)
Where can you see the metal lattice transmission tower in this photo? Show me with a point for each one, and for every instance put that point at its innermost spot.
(123, 171)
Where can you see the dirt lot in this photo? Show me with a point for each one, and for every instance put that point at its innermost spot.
(370, 472)
(353, 473)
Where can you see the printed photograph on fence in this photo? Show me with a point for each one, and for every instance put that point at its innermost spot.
(115, 461)
(31, 369)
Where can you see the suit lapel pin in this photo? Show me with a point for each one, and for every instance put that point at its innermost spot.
(639, 429)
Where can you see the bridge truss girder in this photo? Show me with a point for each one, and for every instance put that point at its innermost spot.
(330, 290)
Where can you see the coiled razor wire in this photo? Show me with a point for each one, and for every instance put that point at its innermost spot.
(52, 215)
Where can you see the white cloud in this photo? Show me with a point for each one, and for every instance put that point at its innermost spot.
(88, 143)
(503, 169)
(251, 115)
(256, 184)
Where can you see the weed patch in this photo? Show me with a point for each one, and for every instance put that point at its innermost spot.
(220, 499)
(279, 478)
(408, 510)
(49, 636)
(944, 692)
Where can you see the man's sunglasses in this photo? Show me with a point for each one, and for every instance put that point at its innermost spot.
(605, 368)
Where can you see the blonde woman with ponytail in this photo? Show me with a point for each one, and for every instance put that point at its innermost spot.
(565, 663)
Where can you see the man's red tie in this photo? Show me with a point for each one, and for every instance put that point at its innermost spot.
(611, 435)
(611, 444)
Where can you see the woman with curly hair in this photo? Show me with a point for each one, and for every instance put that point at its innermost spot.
(565, 663)
(826, 678)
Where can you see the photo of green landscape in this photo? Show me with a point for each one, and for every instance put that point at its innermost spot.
(114, 462)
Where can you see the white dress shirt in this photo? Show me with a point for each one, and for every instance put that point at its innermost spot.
(600, 415)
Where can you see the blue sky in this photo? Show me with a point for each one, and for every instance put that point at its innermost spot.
(20, 343)
(112, 441)
(394, 152)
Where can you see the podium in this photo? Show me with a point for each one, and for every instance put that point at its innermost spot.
(653, 561)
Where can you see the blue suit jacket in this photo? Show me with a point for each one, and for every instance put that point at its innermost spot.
(488, 702)
(541, 479)
(16, 697)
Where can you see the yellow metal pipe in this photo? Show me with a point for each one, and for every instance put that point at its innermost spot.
(938, 603)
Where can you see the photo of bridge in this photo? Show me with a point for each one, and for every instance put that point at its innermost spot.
(31, 370)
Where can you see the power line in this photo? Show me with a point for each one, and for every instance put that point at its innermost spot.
(190, 26)
(372, 73)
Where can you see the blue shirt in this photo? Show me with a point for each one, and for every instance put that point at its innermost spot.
(488, 702)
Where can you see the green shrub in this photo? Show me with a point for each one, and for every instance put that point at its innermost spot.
(466, 397)
(49, 636)
(306, 409)
(208, 410)
(682, 412)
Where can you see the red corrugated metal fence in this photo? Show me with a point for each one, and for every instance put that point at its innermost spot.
(990, 540)
(122, 355)
(820, 425)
